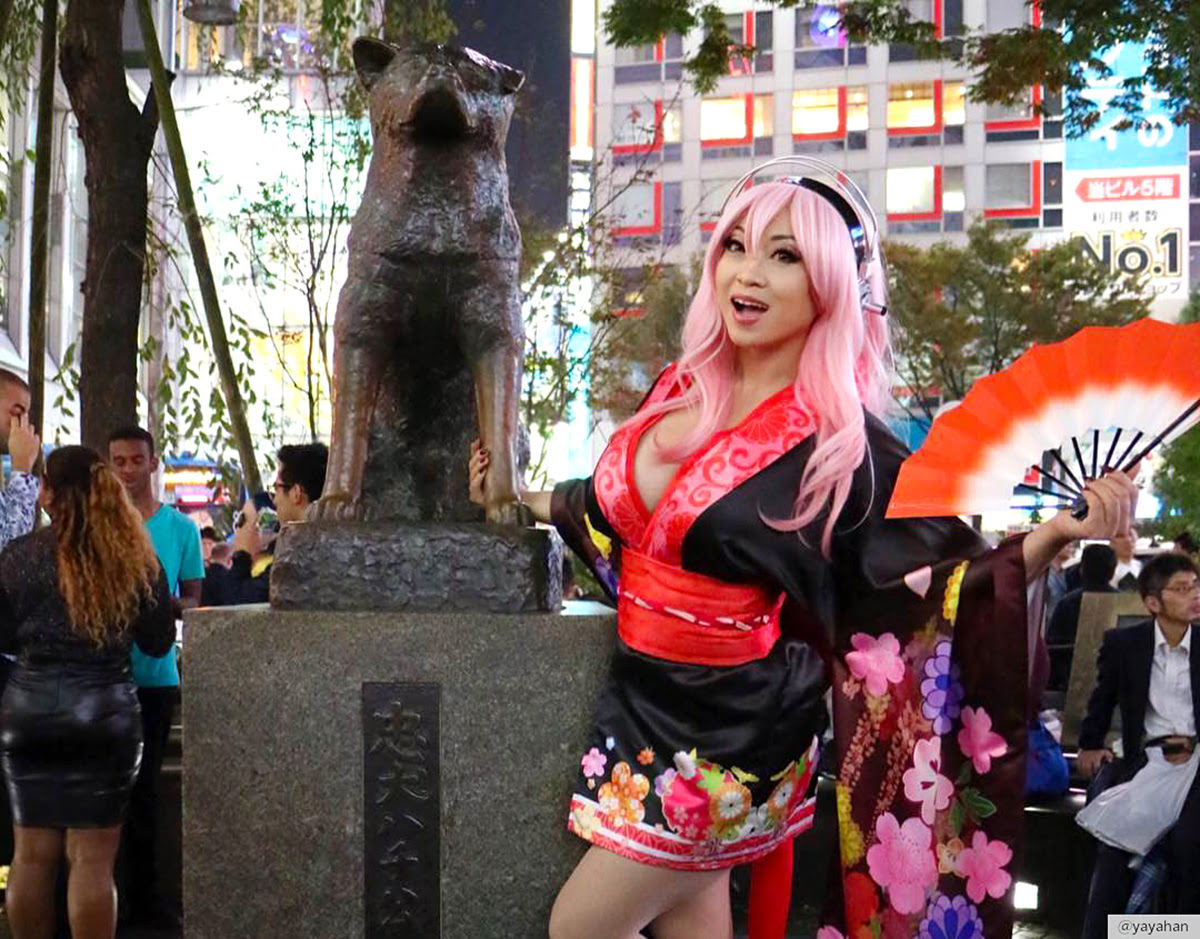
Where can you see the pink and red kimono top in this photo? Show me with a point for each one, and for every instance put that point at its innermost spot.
(731, 632)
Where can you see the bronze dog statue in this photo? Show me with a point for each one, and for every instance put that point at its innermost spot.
(429, 317)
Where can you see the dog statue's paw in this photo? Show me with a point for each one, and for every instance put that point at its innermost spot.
(335, 507)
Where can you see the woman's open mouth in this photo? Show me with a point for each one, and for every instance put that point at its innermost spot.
(747, 310)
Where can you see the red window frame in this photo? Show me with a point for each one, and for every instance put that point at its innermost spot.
(735, 141)
(1035, 191)
(744, 65)
(829, 134)
(936, 213)
(653, 145)
(653, 229)
(938, 113)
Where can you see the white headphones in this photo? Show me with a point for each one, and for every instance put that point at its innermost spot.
(840, 191)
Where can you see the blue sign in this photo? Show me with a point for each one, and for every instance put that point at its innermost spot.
(1151, 141)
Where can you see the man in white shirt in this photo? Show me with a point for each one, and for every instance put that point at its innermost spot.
(1152, 672)
(1128, 566)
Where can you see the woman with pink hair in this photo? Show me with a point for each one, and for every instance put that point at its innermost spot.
(738, 521)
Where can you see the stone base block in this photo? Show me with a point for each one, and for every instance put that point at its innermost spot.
(279, 728)
(391, 566)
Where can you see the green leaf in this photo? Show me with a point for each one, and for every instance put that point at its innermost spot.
(964, 775)
(978, 804)
(956, 817)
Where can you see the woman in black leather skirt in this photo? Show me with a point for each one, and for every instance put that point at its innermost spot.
(73, 597)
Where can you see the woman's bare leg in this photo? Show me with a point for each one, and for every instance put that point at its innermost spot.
(29, 900)
(91, 894)
(706, 914)
(611, 897)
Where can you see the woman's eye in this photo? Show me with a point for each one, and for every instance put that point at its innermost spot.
(786, 256)
(733, 244)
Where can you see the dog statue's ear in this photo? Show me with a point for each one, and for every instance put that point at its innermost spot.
(510, 79)
(371, 57)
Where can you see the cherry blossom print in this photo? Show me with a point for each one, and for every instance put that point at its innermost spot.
(978, 741)
(982, 864)
(593, 762)
(875, 662)
(903, 862)
(924, 783)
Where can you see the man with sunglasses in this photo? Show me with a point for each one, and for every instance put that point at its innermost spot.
(1152, 672)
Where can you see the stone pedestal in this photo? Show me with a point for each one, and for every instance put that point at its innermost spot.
(411, 567)
(486, 715)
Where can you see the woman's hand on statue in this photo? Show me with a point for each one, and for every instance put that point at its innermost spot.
(478, 468)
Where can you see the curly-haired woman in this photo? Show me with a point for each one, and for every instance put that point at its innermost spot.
(73, 597)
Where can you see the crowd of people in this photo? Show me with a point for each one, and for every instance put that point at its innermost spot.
(90, 672)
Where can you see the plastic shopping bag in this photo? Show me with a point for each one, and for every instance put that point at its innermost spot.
(1134, 815)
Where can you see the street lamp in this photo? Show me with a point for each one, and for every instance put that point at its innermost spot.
(212, 12)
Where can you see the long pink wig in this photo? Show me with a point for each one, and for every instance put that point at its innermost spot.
(843, 367)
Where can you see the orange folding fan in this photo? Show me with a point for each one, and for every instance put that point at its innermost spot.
(1061, 414)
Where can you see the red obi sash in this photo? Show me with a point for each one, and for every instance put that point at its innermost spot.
(676, 615)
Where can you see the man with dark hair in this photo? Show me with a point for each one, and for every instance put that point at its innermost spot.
(18, 499)
(133, 457)
(1150, 670)
(299, 479)
(1096, 566)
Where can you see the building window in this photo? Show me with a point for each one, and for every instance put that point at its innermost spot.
(636, 55)
(645, 127)
(764, 116)
(954, 104)
(1052, 195)
(725, 120)
(637, 209)
(712, 195)
(740, 125)
(913, 106)
(1007, 14)
(923, 11)
(751, 29)
(954, 198)
(924, 199)
(637, 126)
(1014, 191)
(829, 115)
(820, 42)
(651, 62)
(913, 192)
(818, 112)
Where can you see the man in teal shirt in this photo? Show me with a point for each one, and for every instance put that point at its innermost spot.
(176, 539)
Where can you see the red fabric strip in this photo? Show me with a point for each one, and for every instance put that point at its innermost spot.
(676, 615)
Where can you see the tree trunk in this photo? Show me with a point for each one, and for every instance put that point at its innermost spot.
(117, 140)
(39, 248)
